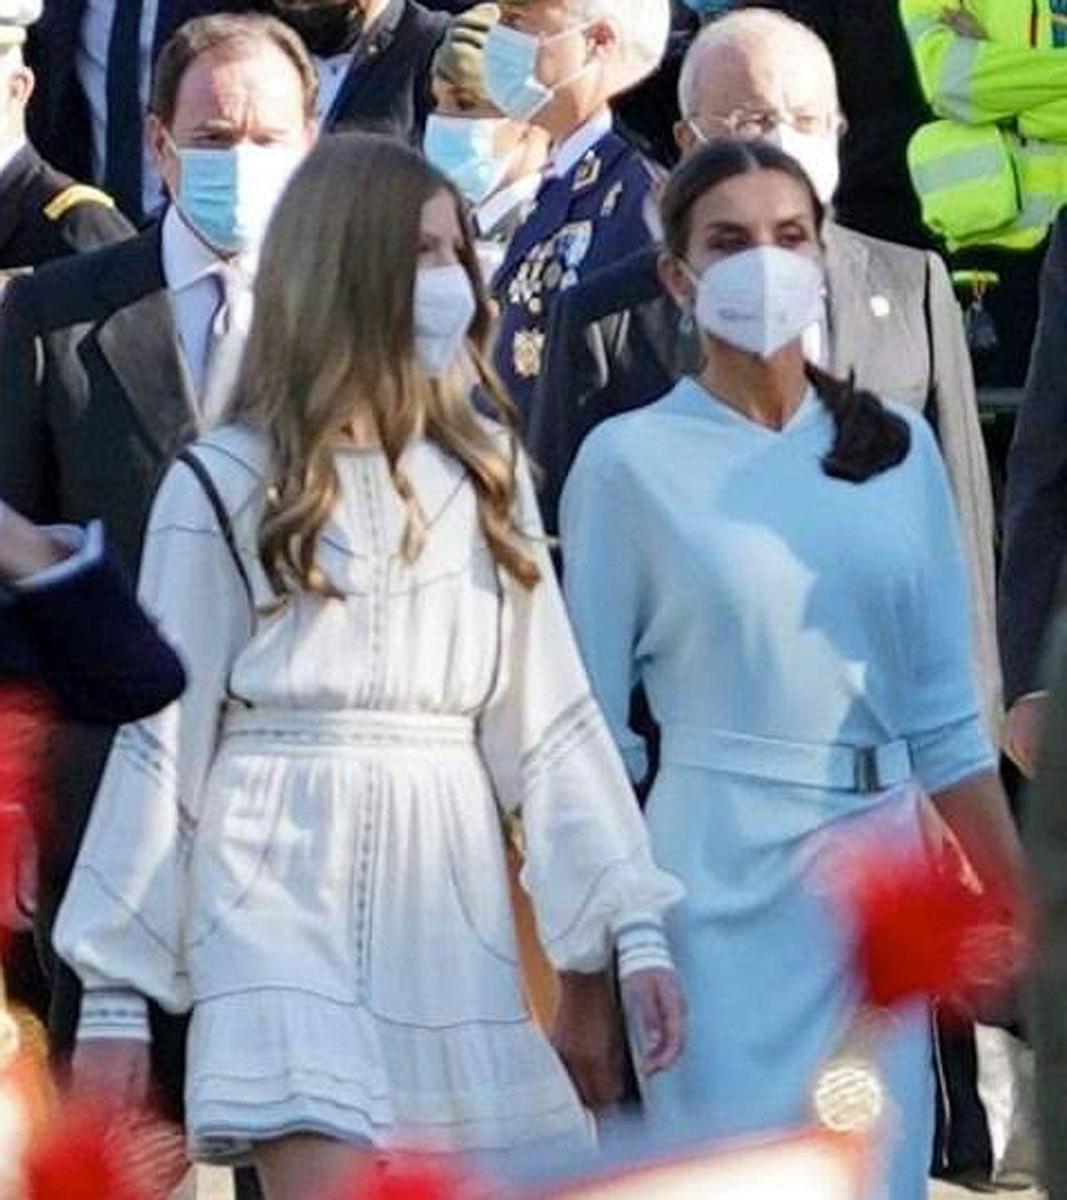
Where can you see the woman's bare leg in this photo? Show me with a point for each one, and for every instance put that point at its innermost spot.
(303, 1165)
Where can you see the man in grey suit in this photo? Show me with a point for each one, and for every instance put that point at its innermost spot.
(1035, 515)
(111, 362)
(616, 340)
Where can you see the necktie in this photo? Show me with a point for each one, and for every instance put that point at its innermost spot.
(225, 344)
(122, 166)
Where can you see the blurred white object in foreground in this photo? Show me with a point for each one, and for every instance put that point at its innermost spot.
(815, 1167)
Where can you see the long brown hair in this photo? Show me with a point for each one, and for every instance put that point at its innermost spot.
(868, 437)
(333, 334)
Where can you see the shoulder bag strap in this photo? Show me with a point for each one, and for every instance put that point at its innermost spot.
(203, 476)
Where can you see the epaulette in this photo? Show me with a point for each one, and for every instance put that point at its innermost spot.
(71, 197)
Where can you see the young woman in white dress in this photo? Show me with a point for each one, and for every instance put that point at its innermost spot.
(305, 851)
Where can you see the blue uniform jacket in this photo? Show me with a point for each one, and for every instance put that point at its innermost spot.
(581, 221)
(85, 639)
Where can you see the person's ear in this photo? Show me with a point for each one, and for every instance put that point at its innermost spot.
(684, 138)
(161, 151)
(21, 83)
(603, 36)
(677, 280)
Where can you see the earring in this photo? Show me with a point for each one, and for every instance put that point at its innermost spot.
(688, 324)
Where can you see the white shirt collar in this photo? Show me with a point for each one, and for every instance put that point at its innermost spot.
(571, 150)
(489, 214)
(187, 258)
(8, 152)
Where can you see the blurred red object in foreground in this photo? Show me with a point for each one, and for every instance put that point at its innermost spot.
(26, 720)
(96, 1152)
(927, 930)
(406, 1178)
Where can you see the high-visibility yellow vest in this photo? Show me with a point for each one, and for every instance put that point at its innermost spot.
(992, 170)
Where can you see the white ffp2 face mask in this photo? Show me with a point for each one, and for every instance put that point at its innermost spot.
(818, 153)
(761, 299)
(444, 307)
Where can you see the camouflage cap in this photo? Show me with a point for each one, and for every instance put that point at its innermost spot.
(459, 60)
(15, 17)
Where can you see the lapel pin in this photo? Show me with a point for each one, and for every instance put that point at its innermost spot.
(880, 306)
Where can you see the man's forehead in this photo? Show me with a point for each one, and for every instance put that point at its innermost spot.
(768, 75)
(529, 12)
(219, 76)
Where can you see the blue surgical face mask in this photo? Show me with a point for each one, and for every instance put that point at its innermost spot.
(706, 9)
(228, 195)
(511, 71)
(464, 149)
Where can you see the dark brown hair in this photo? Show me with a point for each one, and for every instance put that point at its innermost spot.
(231, 34)
(869, 438)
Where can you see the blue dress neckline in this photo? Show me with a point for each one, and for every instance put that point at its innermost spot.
(689, 397)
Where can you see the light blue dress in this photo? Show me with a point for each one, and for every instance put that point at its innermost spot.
(771, 610)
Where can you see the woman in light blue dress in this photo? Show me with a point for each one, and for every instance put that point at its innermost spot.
(775, 559)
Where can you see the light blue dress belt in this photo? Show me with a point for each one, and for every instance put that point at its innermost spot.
(862, 769)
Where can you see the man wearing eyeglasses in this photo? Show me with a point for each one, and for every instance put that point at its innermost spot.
(615, 342)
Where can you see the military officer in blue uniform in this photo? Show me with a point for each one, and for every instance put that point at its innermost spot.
(559, 64)
(43, 213)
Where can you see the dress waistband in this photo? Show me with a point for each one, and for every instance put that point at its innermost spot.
(357, 728)
(863, 769)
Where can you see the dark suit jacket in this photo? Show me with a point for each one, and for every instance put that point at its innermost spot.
(59, 111)
(31, 233)
(94, 402)
(615, 343)
(122, 672)
(387, 87)
(1046, 840)
(94, 396)
(1035, 506)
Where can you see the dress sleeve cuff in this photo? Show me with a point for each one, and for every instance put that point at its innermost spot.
(86, 549)
(114, 1014)
(641, 945)
(945, 757)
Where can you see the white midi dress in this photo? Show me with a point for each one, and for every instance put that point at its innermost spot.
(306, 850)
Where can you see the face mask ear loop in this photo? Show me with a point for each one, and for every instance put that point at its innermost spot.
(555, 88)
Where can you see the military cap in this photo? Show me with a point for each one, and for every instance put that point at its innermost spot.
(15, 17)
(459, 60)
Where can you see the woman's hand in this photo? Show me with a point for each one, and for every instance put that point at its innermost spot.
(1024, 727)
(25, 549)
(655, 1014)
(117, 1070)
(588, 1036)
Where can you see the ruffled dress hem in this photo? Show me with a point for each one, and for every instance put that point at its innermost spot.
(284, 1063)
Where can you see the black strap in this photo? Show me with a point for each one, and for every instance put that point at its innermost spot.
(930, 407)
(222, 516)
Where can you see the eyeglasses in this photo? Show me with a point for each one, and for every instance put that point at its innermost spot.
(753, 123)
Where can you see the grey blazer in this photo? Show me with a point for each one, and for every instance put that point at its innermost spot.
(615, 344)
(1045, 829)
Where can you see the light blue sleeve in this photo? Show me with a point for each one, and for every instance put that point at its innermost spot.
(945, 727)
(603, 573)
